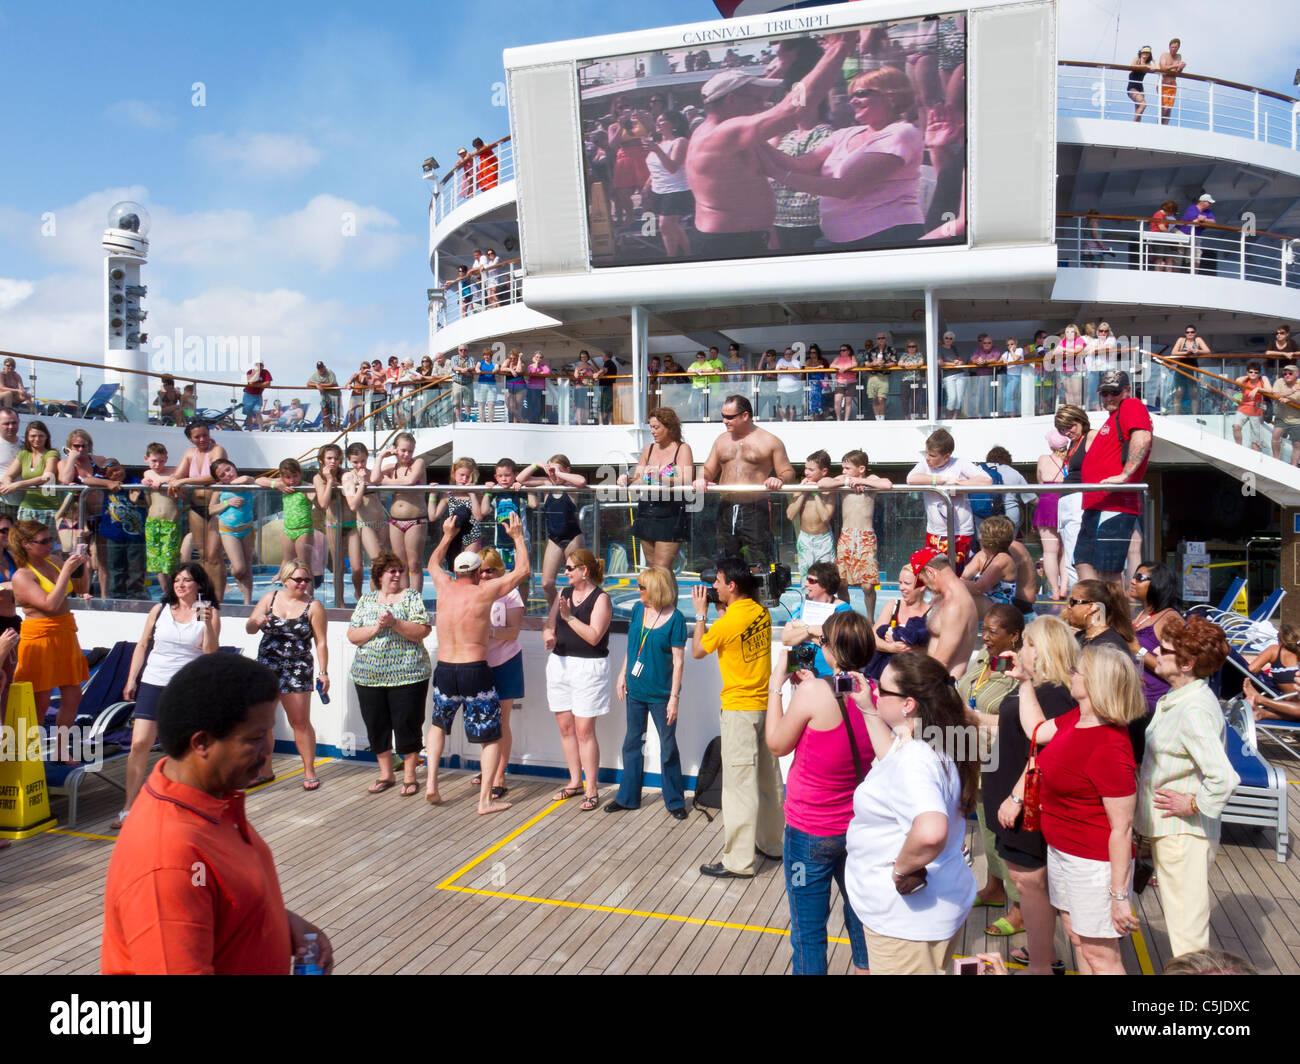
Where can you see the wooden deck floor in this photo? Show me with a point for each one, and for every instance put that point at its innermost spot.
(402, 887)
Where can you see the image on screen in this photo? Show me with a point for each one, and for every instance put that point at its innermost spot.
(851, 140)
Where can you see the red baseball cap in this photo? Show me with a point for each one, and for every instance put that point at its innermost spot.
(922, 558)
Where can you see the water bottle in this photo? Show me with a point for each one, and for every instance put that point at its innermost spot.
(308, 964)
(320, 690)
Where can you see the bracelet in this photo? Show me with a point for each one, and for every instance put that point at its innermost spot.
(1195, 809)
(1018, 801)
(934, 479)
(1119, 895)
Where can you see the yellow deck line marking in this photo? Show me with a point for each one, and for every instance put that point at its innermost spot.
(82, 834)
(289, 775)
(446, 884)
(1140, 947)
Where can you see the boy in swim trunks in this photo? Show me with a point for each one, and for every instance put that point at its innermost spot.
(856, 550)
(162, 524)
(298, 528)
(812, 513)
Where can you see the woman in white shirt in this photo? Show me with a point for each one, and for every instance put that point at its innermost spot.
(868, 176)
(665, 159)
(906, 877)
(182, 627)
(1012, 357)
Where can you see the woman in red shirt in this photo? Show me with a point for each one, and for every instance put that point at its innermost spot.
(1089, 796)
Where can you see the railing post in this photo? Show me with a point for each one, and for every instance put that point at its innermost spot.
(1210, 99)
(1242, 274)
(1102, 83)
(952, 529)
(1255, 95)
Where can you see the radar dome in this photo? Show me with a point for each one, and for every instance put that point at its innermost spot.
(130, 216)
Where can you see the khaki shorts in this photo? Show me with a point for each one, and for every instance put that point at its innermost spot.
(877, 386)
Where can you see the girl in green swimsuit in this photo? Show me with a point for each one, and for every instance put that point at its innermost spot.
(296, 511)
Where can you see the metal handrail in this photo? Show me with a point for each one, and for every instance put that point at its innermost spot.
(1181, 77)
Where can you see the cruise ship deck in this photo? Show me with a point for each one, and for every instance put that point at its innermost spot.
(402, 887)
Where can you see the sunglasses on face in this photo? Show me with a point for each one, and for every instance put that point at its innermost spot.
(811, 581)
(882, 690)
(1142, 578)
(730, 417)
(1080, 602)
(44, 542)
(299, 580)
(1108, 392)
(864, 94)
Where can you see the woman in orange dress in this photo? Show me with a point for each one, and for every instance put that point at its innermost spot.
(49, 655)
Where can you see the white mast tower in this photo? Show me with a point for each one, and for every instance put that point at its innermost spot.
(128, 250)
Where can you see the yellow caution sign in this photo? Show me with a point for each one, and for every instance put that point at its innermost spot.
(24, 798)
(1241, 604)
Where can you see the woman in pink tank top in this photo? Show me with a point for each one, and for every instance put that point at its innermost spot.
(832, 754)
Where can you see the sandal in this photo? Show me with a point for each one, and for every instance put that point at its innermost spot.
(477, 781)
(1021, 956)
(311, 784)
(1002, 927)
(409, 788)
(119, 821)
(261, 780)
(590, 802)
(565, 793)
(380, 785)
(500, 792)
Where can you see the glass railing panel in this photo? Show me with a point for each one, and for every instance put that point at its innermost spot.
(475, 173)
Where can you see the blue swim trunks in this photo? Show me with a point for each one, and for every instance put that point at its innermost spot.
(469, 684)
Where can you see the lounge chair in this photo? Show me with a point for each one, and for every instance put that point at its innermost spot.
(1260, 800)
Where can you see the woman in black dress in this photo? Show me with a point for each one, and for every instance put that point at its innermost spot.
(667, 463)
(290, 620)
(1142, 66)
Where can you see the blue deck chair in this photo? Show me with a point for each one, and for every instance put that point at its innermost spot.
(1284, 732)
(102, 718)
(98, 406)
(1234, 589)
(306, 424)
(1260, 799)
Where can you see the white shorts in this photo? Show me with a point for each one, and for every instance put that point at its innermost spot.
(1080, 886)
(578, 685)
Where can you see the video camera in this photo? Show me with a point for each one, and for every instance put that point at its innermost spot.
(770, 582)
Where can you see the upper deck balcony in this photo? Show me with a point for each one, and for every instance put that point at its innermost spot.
(1202, 112)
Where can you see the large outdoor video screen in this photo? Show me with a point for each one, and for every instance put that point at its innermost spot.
(850, 140)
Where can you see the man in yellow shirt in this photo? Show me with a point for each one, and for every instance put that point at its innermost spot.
(751, 781)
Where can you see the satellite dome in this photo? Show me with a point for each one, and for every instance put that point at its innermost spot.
(130, 216)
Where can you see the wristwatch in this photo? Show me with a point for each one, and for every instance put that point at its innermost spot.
(1018, 801)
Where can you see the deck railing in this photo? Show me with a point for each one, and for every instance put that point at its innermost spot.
(1100, 90)
(1125, 242)
(477, 171)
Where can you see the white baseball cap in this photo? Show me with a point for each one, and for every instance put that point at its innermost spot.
(729, 81)
(1205, 197)
(466, 562)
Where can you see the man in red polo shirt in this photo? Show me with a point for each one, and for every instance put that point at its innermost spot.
(1117, 455)
(192, 888)
(255, 383)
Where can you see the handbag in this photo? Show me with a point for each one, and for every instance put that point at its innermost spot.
(1033, 785)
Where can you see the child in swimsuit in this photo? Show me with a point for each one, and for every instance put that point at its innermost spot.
(236, 516)
(468, 509)
(812, 513)
(563, 532)
(501, 505)
(407, 516)
(297, 511)
(366, 509)
(856, 549)
(162, 524)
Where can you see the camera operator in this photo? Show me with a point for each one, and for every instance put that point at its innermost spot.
(751, 784)
(825, 729)
(821, 584)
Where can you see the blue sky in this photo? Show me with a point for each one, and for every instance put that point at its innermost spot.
(314, 111)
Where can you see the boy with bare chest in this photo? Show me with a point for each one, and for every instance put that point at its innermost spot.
(856, 550)
(162, 524)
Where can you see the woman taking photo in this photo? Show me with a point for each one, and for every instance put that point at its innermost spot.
(1089, 794)
(398, 467)
(48, 655)
(505, 657)
(179, 629)
(832, 755)
(194, 472)
(391, 670)
(577, 673)
(290, 623)
(1052, 469)
(650, 682)
(33, 467)
(1049, 654)
(906, 877)
(1186, 779)
(667, 463)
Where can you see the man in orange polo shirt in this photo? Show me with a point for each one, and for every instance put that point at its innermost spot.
(192, 888)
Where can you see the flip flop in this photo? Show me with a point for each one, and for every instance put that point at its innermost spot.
(381, 785)
(1002, 927)
(476, 781)
(311, 784)
(1021, 956)
(409, 788)
(500, 792)
(980, 903)
(565, 793)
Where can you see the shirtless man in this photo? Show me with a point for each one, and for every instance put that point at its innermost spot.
(1002, 570)
(734, 203)
(952, 619)
(745, 454)
(1171, 65)
(462, 676)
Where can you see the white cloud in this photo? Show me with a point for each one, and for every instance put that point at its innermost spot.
(139, 113)
(259, 155)
(330, 230)
(13, 292)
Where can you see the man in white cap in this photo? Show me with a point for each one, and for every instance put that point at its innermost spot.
(462, 676)
(734, 203)
(324, 381)
(1198, 214)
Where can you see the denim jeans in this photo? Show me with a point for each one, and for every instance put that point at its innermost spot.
(674, 788)
(811, 863)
